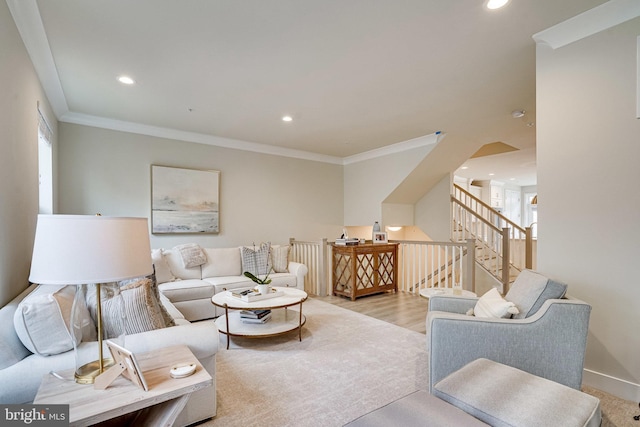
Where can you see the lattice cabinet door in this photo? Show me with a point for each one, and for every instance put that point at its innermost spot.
(364, 269)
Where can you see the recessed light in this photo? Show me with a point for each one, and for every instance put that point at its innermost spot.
(496, 4)
(464, 167)
(491, 174)
(287, 119)
(126, 80)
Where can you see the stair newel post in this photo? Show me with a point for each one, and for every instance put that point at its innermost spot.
(505, 259)
(470, 267)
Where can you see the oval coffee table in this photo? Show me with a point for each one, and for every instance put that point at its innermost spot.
(282, 320)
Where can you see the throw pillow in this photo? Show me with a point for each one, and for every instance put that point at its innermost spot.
(142, 307)
(43, 320)
(161, 267)
(492, 305)
(192, 255)
(530, 290)
(167, 318)
(256, 261)
(280, 258)
(222, 262)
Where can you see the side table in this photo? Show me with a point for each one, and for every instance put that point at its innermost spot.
(162, 403)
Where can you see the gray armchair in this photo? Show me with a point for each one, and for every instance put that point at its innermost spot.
(549, 342)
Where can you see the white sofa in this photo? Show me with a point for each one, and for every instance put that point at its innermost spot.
(21, 371)
(191, 289)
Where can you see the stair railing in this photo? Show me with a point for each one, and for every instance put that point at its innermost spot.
(503, 247)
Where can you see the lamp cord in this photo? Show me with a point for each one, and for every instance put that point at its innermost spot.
(637, 417)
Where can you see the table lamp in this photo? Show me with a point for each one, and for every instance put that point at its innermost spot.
(90, 250)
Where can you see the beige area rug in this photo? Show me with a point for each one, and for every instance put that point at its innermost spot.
(347, 365)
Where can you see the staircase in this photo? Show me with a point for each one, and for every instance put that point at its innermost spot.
(503, 248)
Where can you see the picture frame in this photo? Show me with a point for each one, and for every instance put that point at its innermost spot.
(125, 364)
(380, 237)
(184, 201)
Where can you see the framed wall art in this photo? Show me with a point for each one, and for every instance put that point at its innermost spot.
(184, 200)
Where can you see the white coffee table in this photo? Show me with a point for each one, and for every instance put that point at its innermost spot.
(282, 320)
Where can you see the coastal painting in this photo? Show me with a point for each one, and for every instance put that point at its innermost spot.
(184, 200)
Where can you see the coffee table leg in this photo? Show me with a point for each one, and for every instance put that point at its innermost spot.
(300, 324)
(226, 318)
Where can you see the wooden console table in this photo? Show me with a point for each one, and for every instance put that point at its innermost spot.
(364, 269)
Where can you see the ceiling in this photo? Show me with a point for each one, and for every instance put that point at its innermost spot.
(355, 75)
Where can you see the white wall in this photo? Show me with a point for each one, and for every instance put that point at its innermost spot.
(433, 211)
(368, 183)
(21, 92)
(588, 148)
(262, 197)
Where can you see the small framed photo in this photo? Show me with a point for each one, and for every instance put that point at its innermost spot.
(380, 237)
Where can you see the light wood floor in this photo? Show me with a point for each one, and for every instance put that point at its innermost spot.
(401, 308)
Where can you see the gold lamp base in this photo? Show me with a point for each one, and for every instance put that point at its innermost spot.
(86, 374)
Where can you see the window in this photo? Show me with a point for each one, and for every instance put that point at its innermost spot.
(45, 166)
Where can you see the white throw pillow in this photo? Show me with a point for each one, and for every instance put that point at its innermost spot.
(493, 305)
(256, 260)
(42, 319)
(280, 258)
(163, 272)
(192, 255)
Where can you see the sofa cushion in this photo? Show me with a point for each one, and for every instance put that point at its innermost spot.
(530, 290)
(256, 260)
(163, 272)
(42, 320)
(280, 258)
(222, 262)
(174, 260)
(192, 255)
(187, 290)
(492, 305)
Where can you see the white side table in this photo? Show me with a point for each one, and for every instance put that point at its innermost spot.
(165, 399)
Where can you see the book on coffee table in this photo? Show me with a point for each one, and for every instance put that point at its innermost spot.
(249, 295)
(254, 314)
(263, 319)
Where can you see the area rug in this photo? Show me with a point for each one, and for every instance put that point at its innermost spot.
(347, 365)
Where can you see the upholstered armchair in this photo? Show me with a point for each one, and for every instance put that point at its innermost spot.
(547, 338)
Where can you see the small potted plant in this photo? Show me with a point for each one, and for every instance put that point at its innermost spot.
(263, 284)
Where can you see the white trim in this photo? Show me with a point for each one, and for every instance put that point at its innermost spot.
(593, 21)
(161, 132)
(421, 141)
(27, 18)
(638, 82)
(616, 386)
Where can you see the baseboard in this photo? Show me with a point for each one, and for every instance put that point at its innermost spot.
(621, 388)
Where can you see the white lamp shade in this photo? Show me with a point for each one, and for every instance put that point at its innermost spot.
(83, 249)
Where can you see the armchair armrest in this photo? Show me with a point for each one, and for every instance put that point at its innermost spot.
(550, 344)
(451, 304)
(299, 270)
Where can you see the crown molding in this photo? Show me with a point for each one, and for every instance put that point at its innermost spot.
(600, 18)
(399, 147)
(26, 16)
